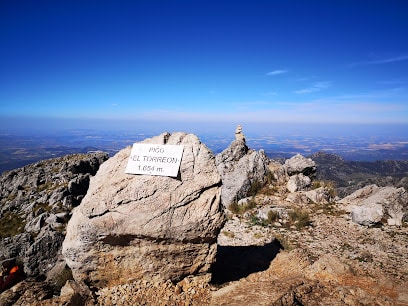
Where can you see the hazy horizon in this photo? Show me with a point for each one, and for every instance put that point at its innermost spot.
(44, 126)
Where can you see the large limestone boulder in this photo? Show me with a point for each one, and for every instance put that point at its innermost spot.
(140, 226)
(372, 204)
(368, 214)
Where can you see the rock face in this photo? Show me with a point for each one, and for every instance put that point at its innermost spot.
(36, 202)
(298, 182)
(240, 168)
(372, 204)
(140, 226)
(300, 164)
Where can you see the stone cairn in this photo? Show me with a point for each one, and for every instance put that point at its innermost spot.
(238, 133)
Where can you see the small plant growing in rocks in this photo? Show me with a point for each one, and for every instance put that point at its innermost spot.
(273, 216)
(11, 224)
(228, 234)
(329, 185)
(238, 209)
(255, 187)
(299, 217)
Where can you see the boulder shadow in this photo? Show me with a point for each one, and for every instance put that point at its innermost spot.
(235, 262)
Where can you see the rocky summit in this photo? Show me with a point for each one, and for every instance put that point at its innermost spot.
(233, 229)
(241, 169)
(131, 227)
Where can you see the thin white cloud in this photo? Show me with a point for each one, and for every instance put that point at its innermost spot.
(385, 95)
(276, 72)
(387, 60)
(356, 108)
(314, 88)
(393, 82)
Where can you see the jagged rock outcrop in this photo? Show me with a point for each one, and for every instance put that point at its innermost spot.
(140, 226)
(36, 204)
(371, 204)
(241, 169)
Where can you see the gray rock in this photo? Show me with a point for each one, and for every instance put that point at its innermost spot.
(42, 254)
(372, 201)
(300, 164)
(263, 212)
(298, 182)
(79, 185)
(31, 197)
(240, 169)
(15, 246)
(369, 214)
(319, 195)
(135, 226)
(278, 172)
(35, 225)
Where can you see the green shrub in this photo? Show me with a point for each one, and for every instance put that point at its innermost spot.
(254, 220)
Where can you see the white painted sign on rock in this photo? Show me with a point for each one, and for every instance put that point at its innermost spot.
(154, 159)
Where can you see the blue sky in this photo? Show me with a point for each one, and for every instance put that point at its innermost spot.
(204, 61)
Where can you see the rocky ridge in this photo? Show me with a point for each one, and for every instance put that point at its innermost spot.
(283, 244)
(36, 204)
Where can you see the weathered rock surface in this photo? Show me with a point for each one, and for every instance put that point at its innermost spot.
(36, 202)
(240, 169)
(300, 164)
(369, 205)
(298, 182)
(321, 195)
(139, 226)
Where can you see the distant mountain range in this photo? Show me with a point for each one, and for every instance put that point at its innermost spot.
(349, 176)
